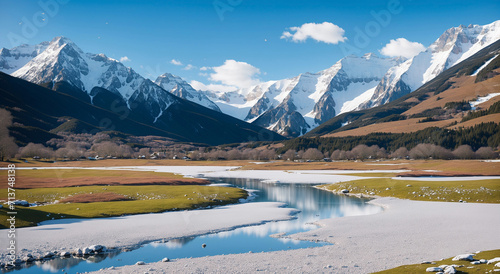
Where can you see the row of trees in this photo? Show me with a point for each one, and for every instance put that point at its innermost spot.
(107, 149)
(434, 143)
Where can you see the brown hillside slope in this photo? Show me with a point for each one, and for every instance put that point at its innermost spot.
(463, 88)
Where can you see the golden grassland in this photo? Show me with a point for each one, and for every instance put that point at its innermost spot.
(36, 178)
(463, 88)
(470, 167)
(401, 126)
(466, 267)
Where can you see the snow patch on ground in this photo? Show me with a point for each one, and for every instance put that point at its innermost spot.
(401, 234)
(483, 99)
(68, 234)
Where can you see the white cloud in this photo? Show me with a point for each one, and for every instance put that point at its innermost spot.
(402, 47)
(176, 62)
(234, 73)
(124, 59)
(325, 32)
(204, 68)
(189, 67)
(211, 87)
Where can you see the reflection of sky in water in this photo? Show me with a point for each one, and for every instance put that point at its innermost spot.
(314, 205)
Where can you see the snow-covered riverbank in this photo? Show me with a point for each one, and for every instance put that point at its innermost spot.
(406, 232)
(134, 230)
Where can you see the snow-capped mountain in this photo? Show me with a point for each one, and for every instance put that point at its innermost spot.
(296, 105)
(62, 60)
(181, 88)
(106, 95)
(453, 46)
(15, 58)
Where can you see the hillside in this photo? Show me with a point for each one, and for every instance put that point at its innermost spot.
(39, 113)
(442, 102)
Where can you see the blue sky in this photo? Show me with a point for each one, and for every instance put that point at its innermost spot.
(205, 34)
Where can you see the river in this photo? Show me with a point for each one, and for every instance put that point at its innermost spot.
(314, 205)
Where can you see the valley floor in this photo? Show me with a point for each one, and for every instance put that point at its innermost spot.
(405, 232)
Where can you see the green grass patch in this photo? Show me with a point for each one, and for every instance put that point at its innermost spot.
(144, 199)
(479, 268)
(476, 191)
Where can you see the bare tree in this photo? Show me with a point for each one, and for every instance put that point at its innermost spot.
(106, 148)
(400, 153)
(267, 154)
(312, 154)
(426, 151)
(145, 151)
(8, 147)
(361, 152)
(290, 155)
(464, 152)
(36, 150)
(486, 153)
(335, 155)
(234, 154)
(250, 154)
(125, 151)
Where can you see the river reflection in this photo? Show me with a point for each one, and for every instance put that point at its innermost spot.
(314, 205)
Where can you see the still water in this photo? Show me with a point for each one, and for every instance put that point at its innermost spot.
(314, 205)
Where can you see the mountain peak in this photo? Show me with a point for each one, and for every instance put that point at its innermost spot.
(181, 88)
(61, 40)
(370, 55)
(167, 77)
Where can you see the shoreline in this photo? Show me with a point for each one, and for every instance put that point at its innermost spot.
(405, 232)
(136, 230)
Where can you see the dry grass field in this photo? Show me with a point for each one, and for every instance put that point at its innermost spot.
(463, 89)
(48, 178)
(447, 167)
(402, 126)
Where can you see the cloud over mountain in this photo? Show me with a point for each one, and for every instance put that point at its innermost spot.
(325, 32)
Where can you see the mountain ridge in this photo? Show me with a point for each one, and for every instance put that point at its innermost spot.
(271, 107)
(394, 110)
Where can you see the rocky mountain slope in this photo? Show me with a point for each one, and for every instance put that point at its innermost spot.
(453, 46)
(297, 105)
(91, 83)
(181, 88)
(462, 96)
(294, 106)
